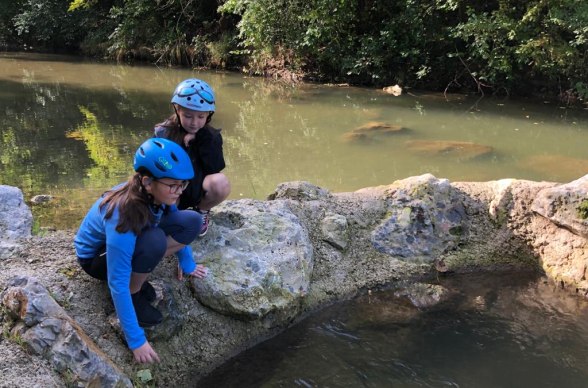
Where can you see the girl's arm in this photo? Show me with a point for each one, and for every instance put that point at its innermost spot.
(119, 253)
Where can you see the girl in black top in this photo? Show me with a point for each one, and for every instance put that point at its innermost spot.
(194, 104)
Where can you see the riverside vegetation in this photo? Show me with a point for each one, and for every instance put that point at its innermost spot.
(509, 47)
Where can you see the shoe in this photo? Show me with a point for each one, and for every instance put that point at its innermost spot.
(148, 291)
(147, 315)
(205, 221)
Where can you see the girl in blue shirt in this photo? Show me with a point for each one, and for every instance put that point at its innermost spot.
(131, 228)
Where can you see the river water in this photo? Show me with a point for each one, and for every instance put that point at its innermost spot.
(496, 331)
(69, 128)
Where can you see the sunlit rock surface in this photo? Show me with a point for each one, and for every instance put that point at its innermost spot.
(260, 260)
(565, 205)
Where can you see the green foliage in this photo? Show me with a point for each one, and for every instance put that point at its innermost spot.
(534, 39)
(520, 46)
(47, 23)
(162, 31)
(8, 36)
(494, 46)
(366, 42)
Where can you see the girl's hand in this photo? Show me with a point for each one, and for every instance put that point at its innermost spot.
(200, 272)
(188, 138)
(145, 354)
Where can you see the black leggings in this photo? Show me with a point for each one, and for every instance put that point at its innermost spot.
(183, 226)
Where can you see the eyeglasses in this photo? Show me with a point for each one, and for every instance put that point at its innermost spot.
(174, 188)
(189, 91)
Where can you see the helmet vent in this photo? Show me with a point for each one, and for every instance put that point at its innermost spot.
(202, 101)
(174, 157)
(141, 151)
(160, 167)
(189, 98)
(157, 143)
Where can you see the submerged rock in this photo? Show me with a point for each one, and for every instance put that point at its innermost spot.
(555, 166)
(395, 90)
(41, 198)
(371, 130)
(424, 296)
(299, 190)
(458, 149)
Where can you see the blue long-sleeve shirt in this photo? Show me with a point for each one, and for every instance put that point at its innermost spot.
(94, 233)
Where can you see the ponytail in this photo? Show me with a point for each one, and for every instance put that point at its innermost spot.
(133, 205)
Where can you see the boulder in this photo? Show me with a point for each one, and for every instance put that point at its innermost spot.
(16, 220)
(260, 260)
(425, 219)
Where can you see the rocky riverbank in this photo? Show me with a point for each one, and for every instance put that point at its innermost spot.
(273, 262)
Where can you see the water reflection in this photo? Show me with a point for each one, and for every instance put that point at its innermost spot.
(496, 331)
(69, 128)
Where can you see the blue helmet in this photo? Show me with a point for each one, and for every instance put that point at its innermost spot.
(194, 94)
(163, 159)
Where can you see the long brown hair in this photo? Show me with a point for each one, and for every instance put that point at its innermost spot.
(133, 205)
(173, 129)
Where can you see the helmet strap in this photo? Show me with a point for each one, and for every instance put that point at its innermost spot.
(209, 117)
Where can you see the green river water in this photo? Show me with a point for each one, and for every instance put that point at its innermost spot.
(70, 128)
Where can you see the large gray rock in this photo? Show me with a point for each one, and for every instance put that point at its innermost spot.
(259, 258)
(426, 219)
(16, 219)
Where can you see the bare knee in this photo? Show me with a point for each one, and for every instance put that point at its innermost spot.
(217, 186)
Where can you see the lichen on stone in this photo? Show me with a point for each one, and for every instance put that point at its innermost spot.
(583, 209)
